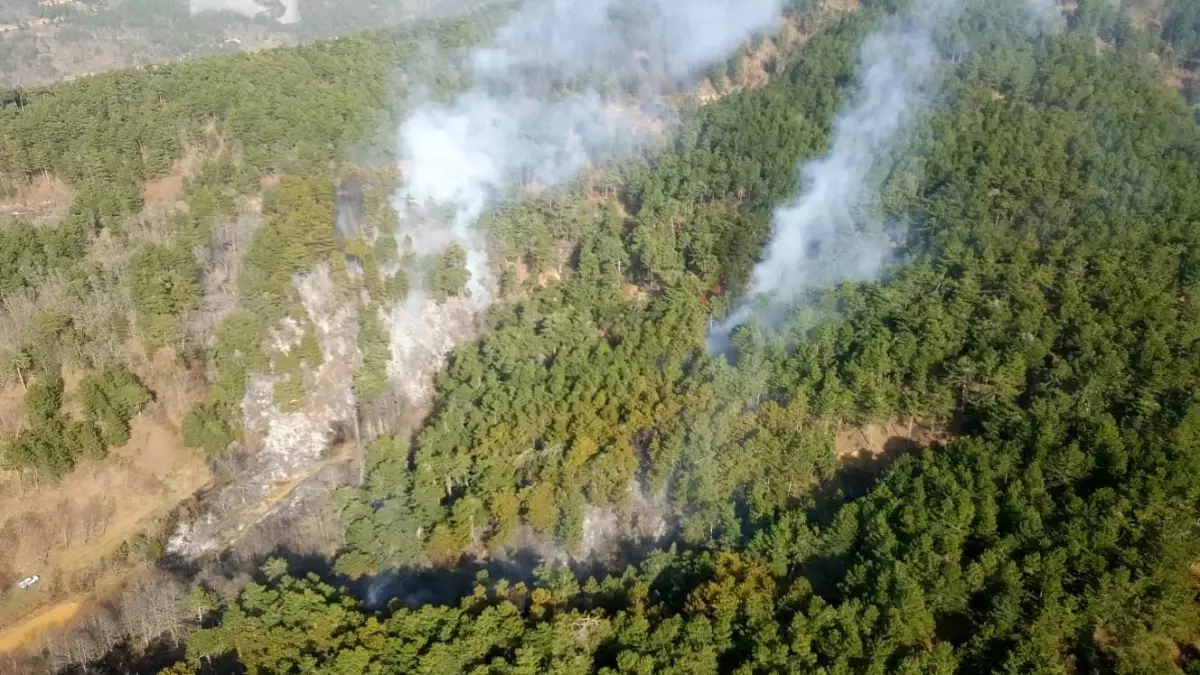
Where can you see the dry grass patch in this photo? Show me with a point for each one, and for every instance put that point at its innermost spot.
(66, 531)
(45, 199)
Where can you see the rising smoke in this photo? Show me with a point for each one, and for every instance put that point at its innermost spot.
(564, 85)
(248, 8)
(826, 235)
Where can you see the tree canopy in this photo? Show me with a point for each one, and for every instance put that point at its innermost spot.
(1041, 310)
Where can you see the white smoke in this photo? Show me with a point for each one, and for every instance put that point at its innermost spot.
(291, 12)
(565, 84)
(825, 236)
(529, 120)
(248, 8)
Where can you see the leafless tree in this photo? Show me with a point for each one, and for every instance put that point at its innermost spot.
(34, 537)
(94, 516)
(153, 606)
(66, 521)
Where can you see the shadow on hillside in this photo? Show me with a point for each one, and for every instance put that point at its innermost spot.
(860, 470)
(447, 585)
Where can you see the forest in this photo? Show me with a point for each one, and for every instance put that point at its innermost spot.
(1040, 312)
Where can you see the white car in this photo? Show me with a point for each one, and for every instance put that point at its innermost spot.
(29, 581)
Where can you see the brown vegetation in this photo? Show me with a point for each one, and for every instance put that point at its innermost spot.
(1183, 79)
(168, 190)
(147, 606)
(46, 198)
(68, 532)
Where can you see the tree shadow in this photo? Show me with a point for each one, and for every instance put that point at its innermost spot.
(862, 470)
(415, 587)
(127, 659)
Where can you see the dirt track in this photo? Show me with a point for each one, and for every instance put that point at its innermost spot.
(28, 630)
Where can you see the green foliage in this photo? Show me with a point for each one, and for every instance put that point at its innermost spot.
(384, 519)
(212, 424)
(1048, 305)
(1046, 312)
(141, 548)
(110, 398)
(236, 353)
(42, 401)
(51, 341)
(978, 557)
(42, 447)
(27, 253)
(200, 603)
(1181, 28)
(289, 394)
(51, 444)
(297, 234)
(449, 275)
(109, 133)
(210, 195)
(162, 283)
(207, 427)
(374, 343)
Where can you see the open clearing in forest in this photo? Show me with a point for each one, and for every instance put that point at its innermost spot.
(46, 198)
(67, 532)
(882, 442)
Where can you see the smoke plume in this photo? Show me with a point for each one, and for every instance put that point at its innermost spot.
(825, 236)
(248, 8)
(564, 85)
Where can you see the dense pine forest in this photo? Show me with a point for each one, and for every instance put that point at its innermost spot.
(1038, 319)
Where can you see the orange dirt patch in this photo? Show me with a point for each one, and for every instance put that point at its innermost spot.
(874, 442)
(631, 292)
(550, 276)
(755, 65)
(793, 31)
(43, 199)
(168, 189)
(75, 522)
(706, 91)
(602, 196)
(28, 631)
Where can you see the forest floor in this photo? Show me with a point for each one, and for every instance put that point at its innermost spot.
(1184, 80)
